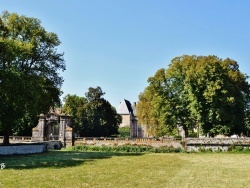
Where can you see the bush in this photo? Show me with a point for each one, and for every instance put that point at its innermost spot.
(124, 132)
(238, 149)
(192, 134)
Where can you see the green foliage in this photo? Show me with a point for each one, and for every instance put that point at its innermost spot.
(29, 71)
(202, 92)
(124, 132)
(92, 116)
(192, 134)
(25, 124)
(74, 105)
(203, 149)
(127, 148)
(100, 118)
(238, 149)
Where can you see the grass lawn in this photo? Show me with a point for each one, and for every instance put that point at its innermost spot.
(96, 169)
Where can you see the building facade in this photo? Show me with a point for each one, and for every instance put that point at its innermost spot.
(128, 113)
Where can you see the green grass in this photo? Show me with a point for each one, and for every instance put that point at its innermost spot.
(102, 169)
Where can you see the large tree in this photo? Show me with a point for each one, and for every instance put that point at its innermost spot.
(75, 106)
(154, 106)
(205, 92)
(29, 70)
(93, 115)
(101, 119)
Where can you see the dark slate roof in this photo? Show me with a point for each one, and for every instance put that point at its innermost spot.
(125, 107)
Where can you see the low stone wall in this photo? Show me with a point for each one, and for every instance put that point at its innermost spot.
(22, 149)
(214, 144)
(17, 139)
(170, 142)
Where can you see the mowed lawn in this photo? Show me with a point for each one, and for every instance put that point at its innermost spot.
(95, 169)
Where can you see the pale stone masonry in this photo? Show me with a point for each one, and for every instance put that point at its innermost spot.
(22, 149)
(215, 144)
(53, 126)
(128, 113)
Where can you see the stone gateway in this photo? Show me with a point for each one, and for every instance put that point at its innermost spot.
(53, 126)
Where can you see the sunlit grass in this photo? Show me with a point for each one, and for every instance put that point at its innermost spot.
(99, 169)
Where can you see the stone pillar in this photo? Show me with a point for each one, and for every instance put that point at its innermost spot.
(38, 131)
(62, 129)
(65, 132)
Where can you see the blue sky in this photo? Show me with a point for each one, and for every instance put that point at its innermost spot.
(118, 44)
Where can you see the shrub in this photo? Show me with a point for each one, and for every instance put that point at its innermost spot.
(124, 132)
(238, 149)
(127, 149)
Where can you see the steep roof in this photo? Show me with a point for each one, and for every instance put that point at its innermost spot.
(125, 107)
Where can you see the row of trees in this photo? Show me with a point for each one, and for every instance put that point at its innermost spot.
(203, 93)
(92, 115)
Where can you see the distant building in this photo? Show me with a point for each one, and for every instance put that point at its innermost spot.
(128, 113)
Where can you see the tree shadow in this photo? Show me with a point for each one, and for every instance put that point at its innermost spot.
(57, 159)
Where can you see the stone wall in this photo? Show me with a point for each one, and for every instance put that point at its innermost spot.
(22, 149)
(128, 141)
(214, 144)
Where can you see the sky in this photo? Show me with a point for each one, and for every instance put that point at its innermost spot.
(119, 44)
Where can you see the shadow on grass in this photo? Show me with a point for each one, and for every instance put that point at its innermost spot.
(57, 159)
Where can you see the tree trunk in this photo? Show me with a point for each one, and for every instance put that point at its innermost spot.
(185, 130)
(6, 140)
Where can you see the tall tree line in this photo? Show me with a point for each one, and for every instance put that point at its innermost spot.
(203, 93)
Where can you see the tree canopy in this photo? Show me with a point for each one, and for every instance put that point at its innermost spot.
(29, 70)
(196, 92)
(74, 105)
(93, 115)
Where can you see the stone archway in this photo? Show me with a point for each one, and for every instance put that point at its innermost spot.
(51, 131)
(53, 126)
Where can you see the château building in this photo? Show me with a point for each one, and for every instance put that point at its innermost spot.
(128, 113)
